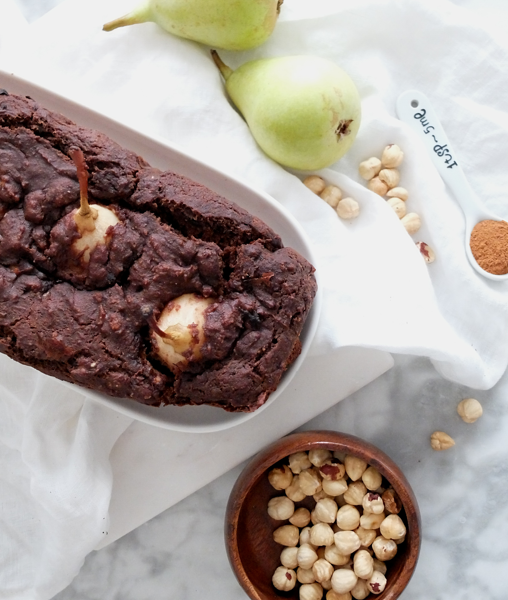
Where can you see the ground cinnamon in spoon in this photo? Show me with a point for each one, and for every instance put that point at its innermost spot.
(489, 245)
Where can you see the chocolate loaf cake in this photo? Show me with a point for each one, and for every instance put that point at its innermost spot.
(134, 282)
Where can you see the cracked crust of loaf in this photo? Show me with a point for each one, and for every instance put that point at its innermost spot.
(91, 326)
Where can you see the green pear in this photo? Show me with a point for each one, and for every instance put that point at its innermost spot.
(226, 24)
(303, 111)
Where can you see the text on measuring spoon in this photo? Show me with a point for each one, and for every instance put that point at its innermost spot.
(441, 150)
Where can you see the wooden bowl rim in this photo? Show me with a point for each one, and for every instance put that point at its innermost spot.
(335, 441)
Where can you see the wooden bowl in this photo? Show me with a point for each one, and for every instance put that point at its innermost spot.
(254, 555)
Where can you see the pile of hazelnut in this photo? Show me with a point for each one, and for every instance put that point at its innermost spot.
(346, 208)
(383, 178)
(341, 545)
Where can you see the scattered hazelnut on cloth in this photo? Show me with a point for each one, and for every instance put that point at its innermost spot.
(369, 168)
(392, 156)
(315, 183)
(346, 208)
(426, 251)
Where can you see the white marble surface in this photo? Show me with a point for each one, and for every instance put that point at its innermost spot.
(462, 492)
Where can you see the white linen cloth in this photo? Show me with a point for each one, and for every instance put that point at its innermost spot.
(378, 291)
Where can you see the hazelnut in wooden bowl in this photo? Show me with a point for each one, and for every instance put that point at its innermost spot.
(322, 515)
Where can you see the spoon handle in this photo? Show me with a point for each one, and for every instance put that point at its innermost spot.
(415, 109)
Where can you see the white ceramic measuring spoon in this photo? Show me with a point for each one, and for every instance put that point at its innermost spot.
(415, 109)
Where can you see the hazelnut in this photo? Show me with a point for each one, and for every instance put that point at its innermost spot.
(398, 206)
(354, 466)
(343, 580)
(389, 176)
(178, 334)
(393, 528)
(305, 536)
(314, 519)
(384, 549)
(281, 508)
(334, 488)
(310, 482)
(426, 251)
(470, 410)
(318, 456)
(379, 566)
(333, 595)
(301, 517)
(360, 591)
(326, 510)
(363, 565)
(287, 535)
(398, 192)
(332, 470)
(373, 503)
(311, 591)
(334, 556)
(306, 556)
(298, 462)
(369, 168)
(377, 582)
(332, 195)
(294, 492)
(391, 501)
(284, 579)
(326, 585)
(367, 536)
(411, 222)
(347, 542)
(377, 186)
(348, 208)
(305, 575)
(320, 495)
(321, 535)
(371, 520)
(315, 183)
(372, 478)
(280, 477)
(288, 557)
(355, 493)
(392, 156)
(322, 570)
(440, 440)
(340, 500)
(348, 517)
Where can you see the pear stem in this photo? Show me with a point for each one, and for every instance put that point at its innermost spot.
(85, 216)
(120, 22)
(174, 333)
(223, 68)
(141, 14)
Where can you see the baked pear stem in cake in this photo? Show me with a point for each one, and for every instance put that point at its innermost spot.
(178, 334)
(92, 220)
